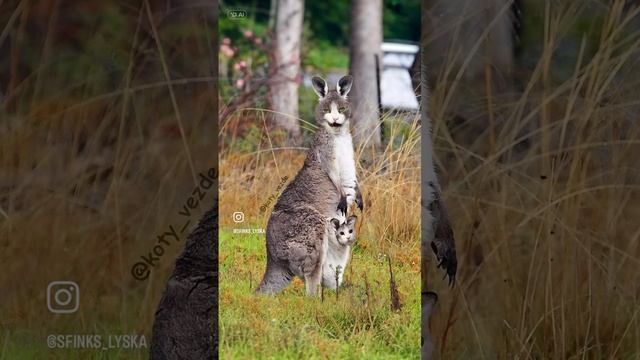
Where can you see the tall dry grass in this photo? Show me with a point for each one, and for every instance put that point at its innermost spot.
(546, 220)
(250, 179)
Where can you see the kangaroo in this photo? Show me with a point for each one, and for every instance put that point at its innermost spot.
(298, 231)
(334, 112)
(341, 238)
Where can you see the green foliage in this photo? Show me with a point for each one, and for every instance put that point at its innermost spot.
(257, 10)
(248, 44)
(325, 39)
(307, 106)
(250, 142)
(233, 28)
(398, 128)
(325, 57)
(326, 25)
(401, 20)
(328, 21)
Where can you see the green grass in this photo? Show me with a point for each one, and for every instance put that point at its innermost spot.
(325, 57)
(293, 326)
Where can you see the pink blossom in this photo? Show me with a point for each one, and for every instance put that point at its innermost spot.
(240, 65)
(226, 50)
(257, 41)
(226, 41)
(248, 33)
(240, 83)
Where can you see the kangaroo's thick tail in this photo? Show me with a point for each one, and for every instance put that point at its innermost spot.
(275, 279)
(277, 276)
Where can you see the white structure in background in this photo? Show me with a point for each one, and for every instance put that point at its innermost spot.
(395, 82)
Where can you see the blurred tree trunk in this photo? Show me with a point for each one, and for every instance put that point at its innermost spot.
(366, 39)
(284, 86)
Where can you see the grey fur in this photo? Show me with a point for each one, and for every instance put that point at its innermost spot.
(297, 231)
(186, 321)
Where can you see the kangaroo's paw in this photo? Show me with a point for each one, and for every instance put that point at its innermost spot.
(342, 205)
(447, 260)
(359, 201)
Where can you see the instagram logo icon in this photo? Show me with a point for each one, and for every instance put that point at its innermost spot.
(238, 216)
(63, 297)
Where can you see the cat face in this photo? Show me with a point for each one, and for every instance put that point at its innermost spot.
(333, 109)
(345, 232)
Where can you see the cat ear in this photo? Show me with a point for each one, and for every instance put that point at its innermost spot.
(319, 86)
(351, 220)
(344, 85)
(336, 223)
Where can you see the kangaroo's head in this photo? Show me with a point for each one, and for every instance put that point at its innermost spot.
(345, 234)
(333, 110)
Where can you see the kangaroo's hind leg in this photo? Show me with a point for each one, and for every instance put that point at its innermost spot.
(276, 278)
(278, 274)
(313, 279)
(312, 284)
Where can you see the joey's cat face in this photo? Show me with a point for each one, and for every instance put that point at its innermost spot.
(345, 232)
(333, 109)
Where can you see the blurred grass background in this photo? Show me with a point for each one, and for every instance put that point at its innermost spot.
(107, 111)
(542, 182)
